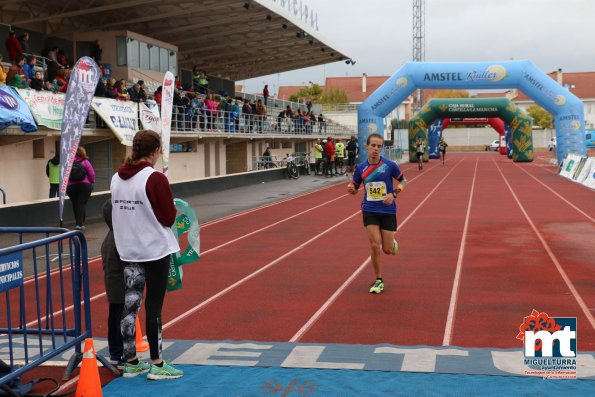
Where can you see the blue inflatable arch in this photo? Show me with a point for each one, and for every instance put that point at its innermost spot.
(546, 92)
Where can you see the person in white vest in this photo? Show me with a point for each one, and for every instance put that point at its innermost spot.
(142, 215)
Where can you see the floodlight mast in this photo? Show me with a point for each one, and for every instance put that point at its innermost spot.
(419, 44)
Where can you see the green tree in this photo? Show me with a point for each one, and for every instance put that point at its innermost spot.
(541, 117)
(334, 96)
(312, 92)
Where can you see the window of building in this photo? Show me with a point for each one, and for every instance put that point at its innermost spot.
(163, 60)
(121, 51)
(144, 55)
(132, 52)
(138, 54)
(154, 54)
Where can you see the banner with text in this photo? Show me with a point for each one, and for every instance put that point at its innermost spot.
(590, 179)
(167, 103)
(47, 108)
(14, 110)
(81, 87)
(150, 117)
(120, 116)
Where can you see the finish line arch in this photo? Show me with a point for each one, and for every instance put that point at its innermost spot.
(566, 107)
(503, 108)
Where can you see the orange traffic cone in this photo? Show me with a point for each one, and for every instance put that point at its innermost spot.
(89, 384)
(141, 344)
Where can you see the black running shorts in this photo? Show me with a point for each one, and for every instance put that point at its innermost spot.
(385, 221)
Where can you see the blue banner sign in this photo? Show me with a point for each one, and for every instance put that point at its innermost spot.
(11, 271)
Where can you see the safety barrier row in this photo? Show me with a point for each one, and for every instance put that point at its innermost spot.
(579, 169)
(45, 283)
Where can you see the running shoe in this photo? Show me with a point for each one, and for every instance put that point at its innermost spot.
(395, 247)
(167, 371)
(132, 370)
(377, 287)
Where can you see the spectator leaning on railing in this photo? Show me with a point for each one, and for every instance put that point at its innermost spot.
(16, 74)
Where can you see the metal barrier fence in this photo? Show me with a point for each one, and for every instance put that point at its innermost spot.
(45, 283)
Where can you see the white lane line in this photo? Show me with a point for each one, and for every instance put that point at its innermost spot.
(557, 194)
(253, 274)
(316, 316)
(270, 225)
(450, 318)
(547, 248)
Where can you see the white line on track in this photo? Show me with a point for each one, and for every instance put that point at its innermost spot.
(454, 295)
(253, 274)
(557, 194)
(316, 316)
(547, 248)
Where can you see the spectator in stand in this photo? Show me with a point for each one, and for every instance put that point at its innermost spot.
(235, 114)
(211, 111)
(53, 65)
(134, 93)
(265, 94)
(203, 82)
(110, 88)
(120, 89)
(198, 119)
(309, 105)
(29, 67)
(281, 120)
(261, 115)
(142, 92)
(101, 88)
(37, 82)
(80, 191)
(62, 60)
(307, 122)
(13, 46)
(195, 78)
(178, 83)
(62, 80)
(157, 95)
(24, 41)
(247, 112)
(267, 159)
(2, 72)
(96, 51)
(16, 74)
(321, 124)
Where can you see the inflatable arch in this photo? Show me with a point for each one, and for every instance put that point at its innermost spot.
(522, 133)
(495, 122)
(566, 108)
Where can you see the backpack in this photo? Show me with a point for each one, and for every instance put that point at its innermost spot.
(77, 172)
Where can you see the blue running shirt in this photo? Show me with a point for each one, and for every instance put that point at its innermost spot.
(378, 181)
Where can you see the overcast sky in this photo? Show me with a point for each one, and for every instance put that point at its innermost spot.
(377, 34)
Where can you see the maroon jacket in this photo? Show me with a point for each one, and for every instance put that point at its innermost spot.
(158, 191)
(13, 46)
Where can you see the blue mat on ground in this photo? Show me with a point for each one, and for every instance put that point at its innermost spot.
(224, 381)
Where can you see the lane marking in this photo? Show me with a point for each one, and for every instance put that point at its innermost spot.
(547, 248)
(557, 194)
(252, 275)
(316, 316)
(450, 317)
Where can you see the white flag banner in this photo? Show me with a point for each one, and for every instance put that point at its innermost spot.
(571, 162)
(150, 117)
(47, 108)
(167, 103)
(120, 116)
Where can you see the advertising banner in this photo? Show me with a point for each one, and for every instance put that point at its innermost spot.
(120, 116)
(590, 179)
(47, 108)
(81, 87)
(14, 110)
(167, 103)
(586, 170)
(570, 165)
(150, 117)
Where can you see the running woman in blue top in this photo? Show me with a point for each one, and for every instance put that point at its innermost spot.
(378, 206)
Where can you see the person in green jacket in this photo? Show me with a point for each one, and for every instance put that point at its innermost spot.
(52, 170)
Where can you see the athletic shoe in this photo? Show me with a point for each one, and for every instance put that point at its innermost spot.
(377, 287)
(117, 362)
(132, 370)
(167, 371)
(395, 247)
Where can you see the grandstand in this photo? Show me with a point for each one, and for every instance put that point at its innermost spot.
(142, 39)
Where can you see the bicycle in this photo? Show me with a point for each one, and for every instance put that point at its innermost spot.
(292, 169)
(303, 160)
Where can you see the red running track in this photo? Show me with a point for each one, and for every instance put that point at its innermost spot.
(483, 241)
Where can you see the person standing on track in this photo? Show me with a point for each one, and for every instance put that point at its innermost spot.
(352, 152)
(142, 215)
(329, 153)
(442, 147)
(379, 209)
(419, 150)
(339, 155)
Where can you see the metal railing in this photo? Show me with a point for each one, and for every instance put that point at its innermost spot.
(47, 311)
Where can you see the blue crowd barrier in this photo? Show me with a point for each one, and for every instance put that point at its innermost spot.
(47, 310)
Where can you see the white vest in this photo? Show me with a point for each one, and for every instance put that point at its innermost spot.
(138, 234)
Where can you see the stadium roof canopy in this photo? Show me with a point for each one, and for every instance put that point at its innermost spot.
(236, 39)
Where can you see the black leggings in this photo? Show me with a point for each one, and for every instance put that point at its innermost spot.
(136, 275)
(79, 194)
